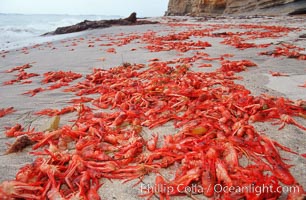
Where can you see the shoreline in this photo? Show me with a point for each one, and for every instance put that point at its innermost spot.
(42, 39)
(24, 29)
(91, 49)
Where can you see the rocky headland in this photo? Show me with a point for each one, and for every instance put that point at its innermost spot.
(87, 24)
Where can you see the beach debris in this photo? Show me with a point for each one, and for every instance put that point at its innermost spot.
(26, 82)
(205, 65)
(102, 59)
(34, 91)
(19, 68)
(81, 100)
(22, 77)
(302, 36)
(20, 143)
(287, 50)
(18, 189)
(286, 119)
(303, 85)
(61, 76)
(52, 124)
(57, 85)
(10, 132)
(164, 45)
(111, 50)
(213, 134)
(236, 66)
(3, 53)
(6, 111)
(55, 112)
(277, 73)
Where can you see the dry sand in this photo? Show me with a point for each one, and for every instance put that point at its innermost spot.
(82, 59)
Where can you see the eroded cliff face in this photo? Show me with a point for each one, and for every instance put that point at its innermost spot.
(274, 7)
(195, 7)
(217, 7)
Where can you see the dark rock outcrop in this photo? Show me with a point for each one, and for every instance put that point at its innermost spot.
(82, 26)
(248, 7)
(85, 25)
(132, 18)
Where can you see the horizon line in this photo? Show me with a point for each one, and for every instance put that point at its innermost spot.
(12, 13)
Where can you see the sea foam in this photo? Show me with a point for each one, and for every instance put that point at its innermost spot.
(19, 30)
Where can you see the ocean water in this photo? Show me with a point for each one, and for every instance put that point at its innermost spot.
(19, 30)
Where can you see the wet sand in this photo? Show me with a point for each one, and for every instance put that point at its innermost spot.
(85, 52)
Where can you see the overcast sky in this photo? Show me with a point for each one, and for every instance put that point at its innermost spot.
(143, 8)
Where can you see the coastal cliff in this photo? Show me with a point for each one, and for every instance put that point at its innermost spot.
(195, 7)
(218, 7)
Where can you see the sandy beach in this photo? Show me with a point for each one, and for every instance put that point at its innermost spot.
(92, 49)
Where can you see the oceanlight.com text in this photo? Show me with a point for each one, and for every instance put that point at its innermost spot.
(218, 188)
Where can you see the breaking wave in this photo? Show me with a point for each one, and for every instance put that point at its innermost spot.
(15, 29)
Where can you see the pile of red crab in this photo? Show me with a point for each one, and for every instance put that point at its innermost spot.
(288, 50)
(215, 142)
(211, 112)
